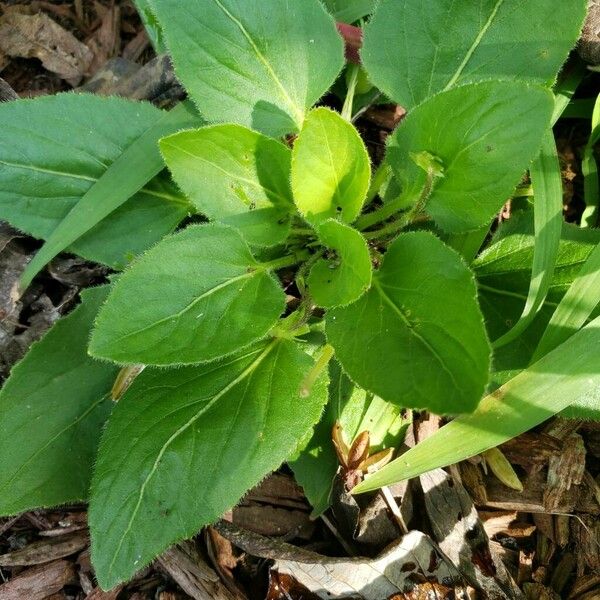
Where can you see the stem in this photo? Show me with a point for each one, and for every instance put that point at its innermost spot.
(349, 101)
(379, 178)
(321, 363)
(408, 217)
(285, 261)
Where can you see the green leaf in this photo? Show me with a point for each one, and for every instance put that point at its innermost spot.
(52, 409)
(503, 274)
(331, 171)
(229, 171)
(576, 306)
(184, 445)
(446, 43)
(345, 274)
(151, 25)
(546, 179)
(53, 152)
(566, 375)
(348, 11)
(589, 168)
(416, 338)
(356, 411)
(196, 296)
(495, 131)
(259, 64)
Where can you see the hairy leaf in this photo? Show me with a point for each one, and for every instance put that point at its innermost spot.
(55, 149)
(330, 168)
(416, 338)
(183, 446)
(345, 274)
(230, 172)
(567, 375)
(52, 409)
(413, 49)
(196, 296)
(495, 131)
(259, 64)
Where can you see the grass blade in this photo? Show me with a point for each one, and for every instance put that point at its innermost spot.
(568, 374)
(575, 307)
(138, 164)
(589, 167)
(547, 187)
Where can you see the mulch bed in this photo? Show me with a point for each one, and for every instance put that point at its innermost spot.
(545, 540)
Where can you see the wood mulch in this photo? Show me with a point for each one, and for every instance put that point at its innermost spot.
(541, 543)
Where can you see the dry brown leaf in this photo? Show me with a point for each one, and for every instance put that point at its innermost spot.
(38, 36)
(38, 582)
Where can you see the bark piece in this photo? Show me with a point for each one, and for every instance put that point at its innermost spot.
(565, 471)
(184, 564)
(38, 36)
(589, 44)
(457, 528)
(99, 594)
(38, 582)
(45, 550)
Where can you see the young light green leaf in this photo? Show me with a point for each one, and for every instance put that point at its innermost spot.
(184, 445)
(53, 152)
(546, 179)
(52, 409)
(228, 171)
(575, 308)
(259, 64)
(345, 274)
(349, 11)
(196, 296)
(446, 43)
(356, 411)
(495, 131)
(567, 375)
(416, 338)
(331, 171)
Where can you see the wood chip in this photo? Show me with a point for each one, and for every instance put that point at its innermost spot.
(531, 449)
(45, 550)
(564, 471)
(105, 42)
(38, 582)
(458, 530)
(38, 36)
(184, 564)
(99, 594)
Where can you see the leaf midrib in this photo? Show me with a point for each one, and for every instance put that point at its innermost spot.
(191, 305)
(452, 81)
(243, 375)
(397, 310)
(298, 113)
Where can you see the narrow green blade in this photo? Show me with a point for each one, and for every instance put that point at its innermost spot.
(139, 163)
(568, 375)
(547, 186)
(575, 307)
